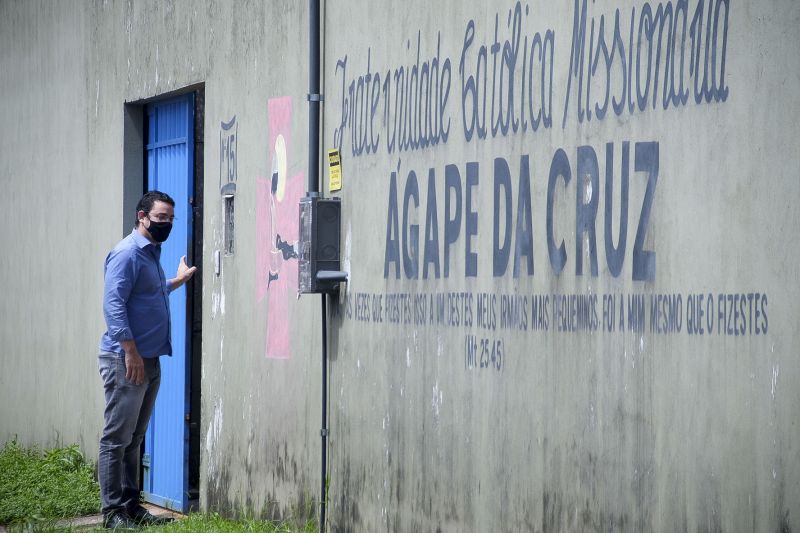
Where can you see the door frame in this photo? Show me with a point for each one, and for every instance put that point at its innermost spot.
(133, 186)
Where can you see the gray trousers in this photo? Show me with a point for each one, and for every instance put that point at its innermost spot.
(127, 413)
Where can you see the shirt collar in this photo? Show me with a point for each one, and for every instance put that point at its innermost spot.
(140, 240)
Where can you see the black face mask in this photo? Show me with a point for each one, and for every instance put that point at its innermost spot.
(159, 230)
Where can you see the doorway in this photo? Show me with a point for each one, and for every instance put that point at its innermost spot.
(172, 140)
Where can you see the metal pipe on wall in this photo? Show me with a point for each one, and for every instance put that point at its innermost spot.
(314, 100)
(314, 97)
(324, 430)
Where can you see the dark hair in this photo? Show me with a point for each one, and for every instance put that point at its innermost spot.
(149, 199)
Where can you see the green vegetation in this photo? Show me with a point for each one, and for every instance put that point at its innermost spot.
(212, 523)
(39, 490)
(37, 486)
(194, 523)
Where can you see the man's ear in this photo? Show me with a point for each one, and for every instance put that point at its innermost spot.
(140, 214)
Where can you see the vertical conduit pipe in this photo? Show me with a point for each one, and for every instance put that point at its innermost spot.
(324, 430)
(314, 99)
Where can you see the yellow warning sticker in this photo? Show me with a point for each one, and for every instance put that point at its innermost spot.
(334, 170)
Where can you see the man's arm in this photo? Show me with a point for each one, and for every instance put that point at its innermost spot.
(119, 279)
(184, 274)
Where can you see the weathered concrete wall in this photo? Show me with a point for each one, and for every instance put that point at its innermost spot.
(69, 70)
(258, 413)
(482, 377)
(54, 205)
(484, 373)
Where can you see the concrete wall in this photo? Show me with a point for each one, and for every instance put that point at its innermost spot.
(57, 207)
(481, 378)
(76, 76)
(682, 419)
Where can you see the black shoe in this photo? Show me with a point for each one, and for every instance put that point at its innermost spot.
(119, 521)
(143, 517)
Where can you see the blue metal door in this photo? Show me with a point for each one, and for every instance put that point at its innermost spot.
(170, 160)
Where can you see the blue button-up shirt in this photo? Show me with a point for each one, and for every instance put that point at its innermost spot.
(136, 298)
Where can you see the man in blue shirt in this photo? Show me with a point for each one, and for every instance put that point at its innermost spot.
(136, 310)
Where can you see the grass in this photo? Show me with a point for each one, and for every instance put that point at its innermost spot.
(39, 489)
(37, 486)
(212, 523)
(194, 523)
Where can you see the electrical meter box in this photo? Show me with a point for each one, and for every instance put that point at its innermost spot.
(320, 230)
